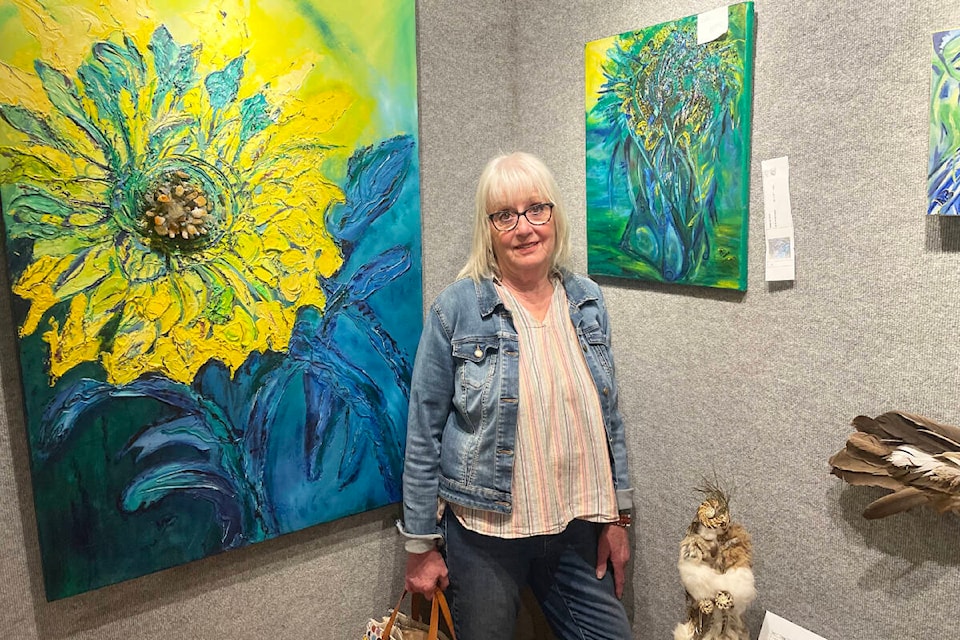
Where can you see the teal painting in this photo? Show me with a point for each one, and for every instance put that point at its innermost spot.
(668, 153)
(211, 216)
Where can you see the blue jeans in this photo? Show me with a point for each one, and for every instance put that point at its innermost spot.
(487, 574)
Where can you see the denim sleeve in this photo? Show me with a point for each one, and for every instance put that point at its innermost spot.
(618, 442)
(431, 401)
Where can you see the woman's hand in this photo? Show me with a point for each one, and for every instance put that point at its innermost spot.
(426, 572)
(613, 547)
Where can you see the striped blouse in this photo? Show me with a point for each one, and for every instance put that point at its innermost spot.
(562, 465)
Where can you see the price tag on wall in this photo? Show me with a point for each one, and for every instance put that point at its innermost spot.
(778, 220)
(712, 24)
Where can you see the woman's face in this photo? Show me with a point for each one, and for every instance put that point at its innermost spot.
(525, 251)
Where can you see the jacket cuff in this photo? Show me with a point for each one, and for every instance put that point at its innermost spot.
(415, 545)
(419, 542)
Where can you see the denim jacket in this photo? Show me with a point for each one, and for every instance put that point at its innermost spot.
(462, 420)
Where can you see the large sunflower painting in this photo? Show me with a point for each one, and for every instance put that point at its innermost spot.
(211, 213)
(668, 152)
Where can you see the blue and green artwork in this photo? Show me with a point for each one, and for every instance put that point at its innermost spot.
(668, 153)
(943, 168)
(212, 226)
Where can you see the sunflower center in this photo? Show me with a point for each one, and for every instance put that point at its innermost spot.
(177, 207)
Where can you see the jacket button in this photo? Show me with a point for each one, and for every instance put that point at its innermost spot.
(584, 348)
(606, 391)
(478, 353)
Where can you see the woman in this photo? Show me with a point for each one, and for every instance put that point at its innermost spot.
(514, 431)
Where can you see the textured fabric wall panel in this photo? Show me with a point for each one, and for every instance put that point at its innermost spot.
(760, 387)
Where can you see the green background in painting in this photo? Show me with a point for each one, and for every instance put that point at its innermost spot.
(610, 201)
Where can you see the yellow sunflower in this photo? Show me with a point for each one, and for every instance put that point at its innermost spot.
(160, 211)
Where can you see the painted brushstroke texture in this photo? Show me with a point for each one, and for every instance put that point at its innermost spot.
(212, 228)
(943, 186)
(667, 123)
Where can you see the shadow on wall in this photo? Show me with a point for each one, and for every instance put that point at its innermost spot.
(943, 234)
(915, 544)
(690, 291)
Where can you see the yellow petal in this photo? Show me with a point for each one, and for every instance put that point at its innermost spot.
(190, 294)
(137, 260)
(248, 246)
(108, 296)
(96, 265)
(73, 345)
(236, 338)
(312, 296)
(134, 340)
(274, 325)
(36, 286)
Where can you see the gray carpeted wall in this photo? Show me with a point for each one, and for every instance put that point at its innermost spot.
(757, 387)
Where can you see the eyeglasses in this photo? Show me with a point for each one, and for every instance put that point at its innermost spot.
(536, 214)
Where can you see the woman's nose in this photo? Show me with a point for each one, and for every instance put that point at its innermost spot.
(524, 223)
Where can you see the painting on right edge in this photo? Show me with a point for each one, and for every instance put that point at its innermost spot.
(942, 189)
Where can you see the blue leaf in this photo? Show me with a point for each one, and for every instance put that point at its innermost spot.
(197, 481)
(369, 324)
(61, 415)
(64, 412)
(375, 178)
(222, 86)
(190, 430)
(366, 411)
(377, 273)
(324, 408)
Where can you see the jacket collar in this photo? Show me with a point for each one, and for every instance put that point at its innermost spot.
(488, 300)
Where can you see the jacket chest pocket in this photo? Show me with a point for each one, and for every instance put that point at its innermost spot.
(476, 361)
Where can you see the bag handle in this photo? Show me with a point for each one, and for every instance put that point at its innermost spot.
(441, 600)
(439, 605)
(387, 630)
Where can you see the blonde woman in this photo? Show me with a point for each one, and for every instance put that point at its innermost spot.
(514, 430)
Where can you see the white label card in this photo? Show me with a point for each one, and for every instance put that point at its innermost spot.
(780, 257)
(776, 628)
(712, 24)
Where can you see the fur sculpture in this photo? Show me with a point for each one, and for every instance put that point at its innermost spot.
(715, 563)
(917, 458)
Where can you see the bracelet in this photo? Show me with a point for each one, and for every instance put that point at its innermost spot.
(624, 521)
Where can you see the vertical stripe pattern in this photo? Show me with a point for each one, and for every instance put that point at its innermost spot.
(562, 463)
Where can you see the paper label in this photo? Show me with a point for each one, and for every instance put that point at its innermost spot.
(712, 24)
(776, 628)
(780, 257)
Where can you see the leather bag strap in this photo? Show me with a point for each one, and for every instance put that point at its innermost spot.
(393, 617)
(439, 598)
(439, 605)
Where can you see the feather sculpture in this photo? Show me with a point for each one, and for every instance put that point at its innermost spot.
(715, 563)
(918, 459)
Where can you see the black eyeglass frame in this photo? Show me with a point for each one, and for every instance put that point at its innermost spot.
(523, 213)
